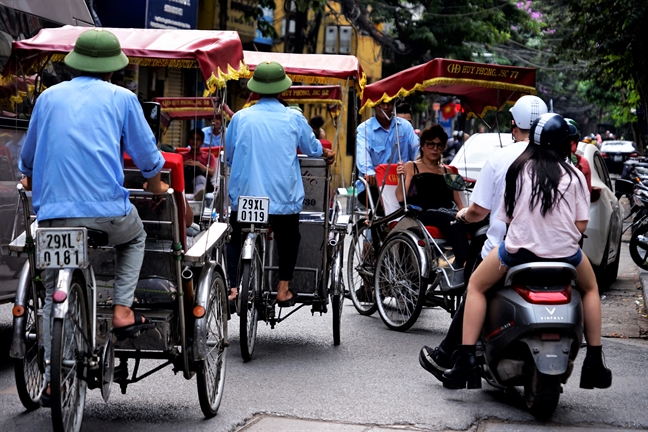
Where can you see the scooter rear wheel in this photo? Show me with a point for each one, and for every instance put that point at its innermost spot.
(639, 246)
(542, 393)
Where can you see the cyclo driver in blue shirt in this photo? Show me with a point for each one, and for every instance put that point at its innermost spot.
(261, 147)
(73, 162)
(376, 144)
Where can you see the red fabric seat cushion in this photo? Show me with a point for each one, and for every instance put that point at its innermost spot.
(172, 161)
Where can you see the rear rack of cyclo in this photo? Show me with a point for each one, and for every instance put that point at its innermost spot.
(436, 250)
(167, 264)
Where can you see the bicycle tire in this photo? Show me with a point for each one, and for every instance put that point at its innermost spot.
(360, 270)
(27, 370)
(400, 287)
(248, 297)
(69, 342)
(337, 296)
(210, 374)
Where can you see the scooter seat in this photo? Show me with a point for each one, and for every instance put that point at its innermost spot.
(543, 275)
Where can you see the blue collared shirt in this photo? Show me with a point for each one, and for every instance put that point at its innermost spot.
(261, 146)
(78, 133)
(374, 145)
(209, 133)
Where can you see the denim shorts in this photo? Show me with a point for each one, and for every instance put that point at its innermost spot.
(524, 256)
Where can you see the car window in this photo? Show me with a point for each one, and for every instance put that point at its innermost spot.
(601, 169)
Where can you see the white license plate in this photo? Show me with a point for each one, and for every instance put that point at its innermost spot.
(617, 158)
(253, 209)
(61, 247)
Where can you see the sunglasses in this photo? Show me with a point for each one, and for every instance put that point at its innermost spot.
(432, 144)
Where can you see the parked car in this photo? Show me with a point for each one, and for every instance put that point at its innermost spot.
(471, 157)
(615, 153)
(11, 221)
(602, 244)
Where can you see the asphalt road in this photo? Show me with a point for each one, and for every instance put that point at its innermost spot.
(372, 378)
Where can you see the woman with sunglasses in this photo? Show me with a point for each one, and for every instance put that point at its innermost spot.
(426, 188)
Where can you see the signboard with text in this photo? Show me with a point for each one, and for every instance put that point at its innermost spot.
(171, 14)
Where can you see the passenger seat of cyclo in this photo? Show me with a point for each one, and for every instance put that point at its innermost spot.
(325, 144)
(388, 197)
(173, 162)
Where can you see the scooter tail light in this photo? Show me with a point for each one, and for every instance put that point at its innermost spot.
(545, 297)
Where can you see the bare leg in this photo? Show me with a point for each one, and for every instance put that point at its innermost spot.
(591, 302)
(486, 275)
(233, 293)
(283, 292)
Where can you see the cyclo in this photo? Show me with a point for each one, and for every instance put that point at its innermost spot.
(401, 263)
(318, 274)
(181, 289)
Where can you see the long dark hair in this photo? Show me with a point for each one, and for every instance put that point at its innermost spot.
(547, 168)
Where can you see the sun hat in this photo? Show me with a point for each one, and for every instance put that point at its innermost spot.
(269, 78)
(97, 50)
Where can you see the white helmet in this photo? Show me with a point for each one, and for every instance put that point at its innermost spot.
(526, 110)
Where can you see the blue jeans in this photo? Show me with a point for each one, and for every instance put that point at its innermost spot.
(524, 256)
(127, 234)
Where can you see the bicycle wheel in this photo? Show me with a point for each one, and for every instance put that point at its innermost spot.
(27, 371)
(69, 346)
(211, 369)
(249, 294)
(639, 246)
(337, 296)
(360, 270)
(400, 288)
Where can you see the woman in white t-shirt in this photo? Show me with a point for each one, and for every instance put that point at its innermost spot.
(546, 207)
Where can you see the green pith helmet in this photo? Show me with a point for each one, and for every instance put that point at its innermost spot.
(97, 50)
(574, 131)
(269, 78)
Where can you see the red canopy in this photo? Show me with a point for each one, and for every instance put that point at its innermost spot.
(306, 95)
(313, 68)
(219, 54)
(481, 86)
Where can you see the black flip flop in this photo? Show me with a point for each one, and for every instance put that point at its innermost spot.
(133, 330)
(290, 302)
(45, 400)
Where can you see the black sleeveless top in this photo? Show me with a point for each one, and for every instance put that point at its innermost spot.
(429, 191)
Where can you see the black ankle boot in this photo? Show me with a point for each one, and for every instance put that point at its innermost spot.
(594, 373)
(465, 373)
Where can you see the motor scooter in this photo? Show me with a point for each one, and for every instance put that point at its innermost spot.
(532, 333)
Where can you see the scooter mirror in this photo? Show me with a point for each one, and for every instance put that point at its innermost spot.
(623, 187)
(455, 182)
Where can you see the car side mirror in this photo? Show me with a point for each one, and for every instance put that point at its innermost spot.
(455, 182)
(623, 187)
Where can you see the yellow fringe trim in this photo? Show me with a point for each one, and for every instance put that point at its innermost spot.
(435, 81)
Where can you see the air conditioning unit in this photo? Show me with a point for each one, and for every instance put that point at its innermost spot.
(345, 40)
(330, 40)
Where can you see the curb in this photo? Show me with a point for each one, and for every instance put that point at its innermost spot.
(643, 278)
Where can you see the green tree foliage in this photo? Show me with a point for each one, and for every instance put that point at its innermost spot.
(419, 31)
(611, 36)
